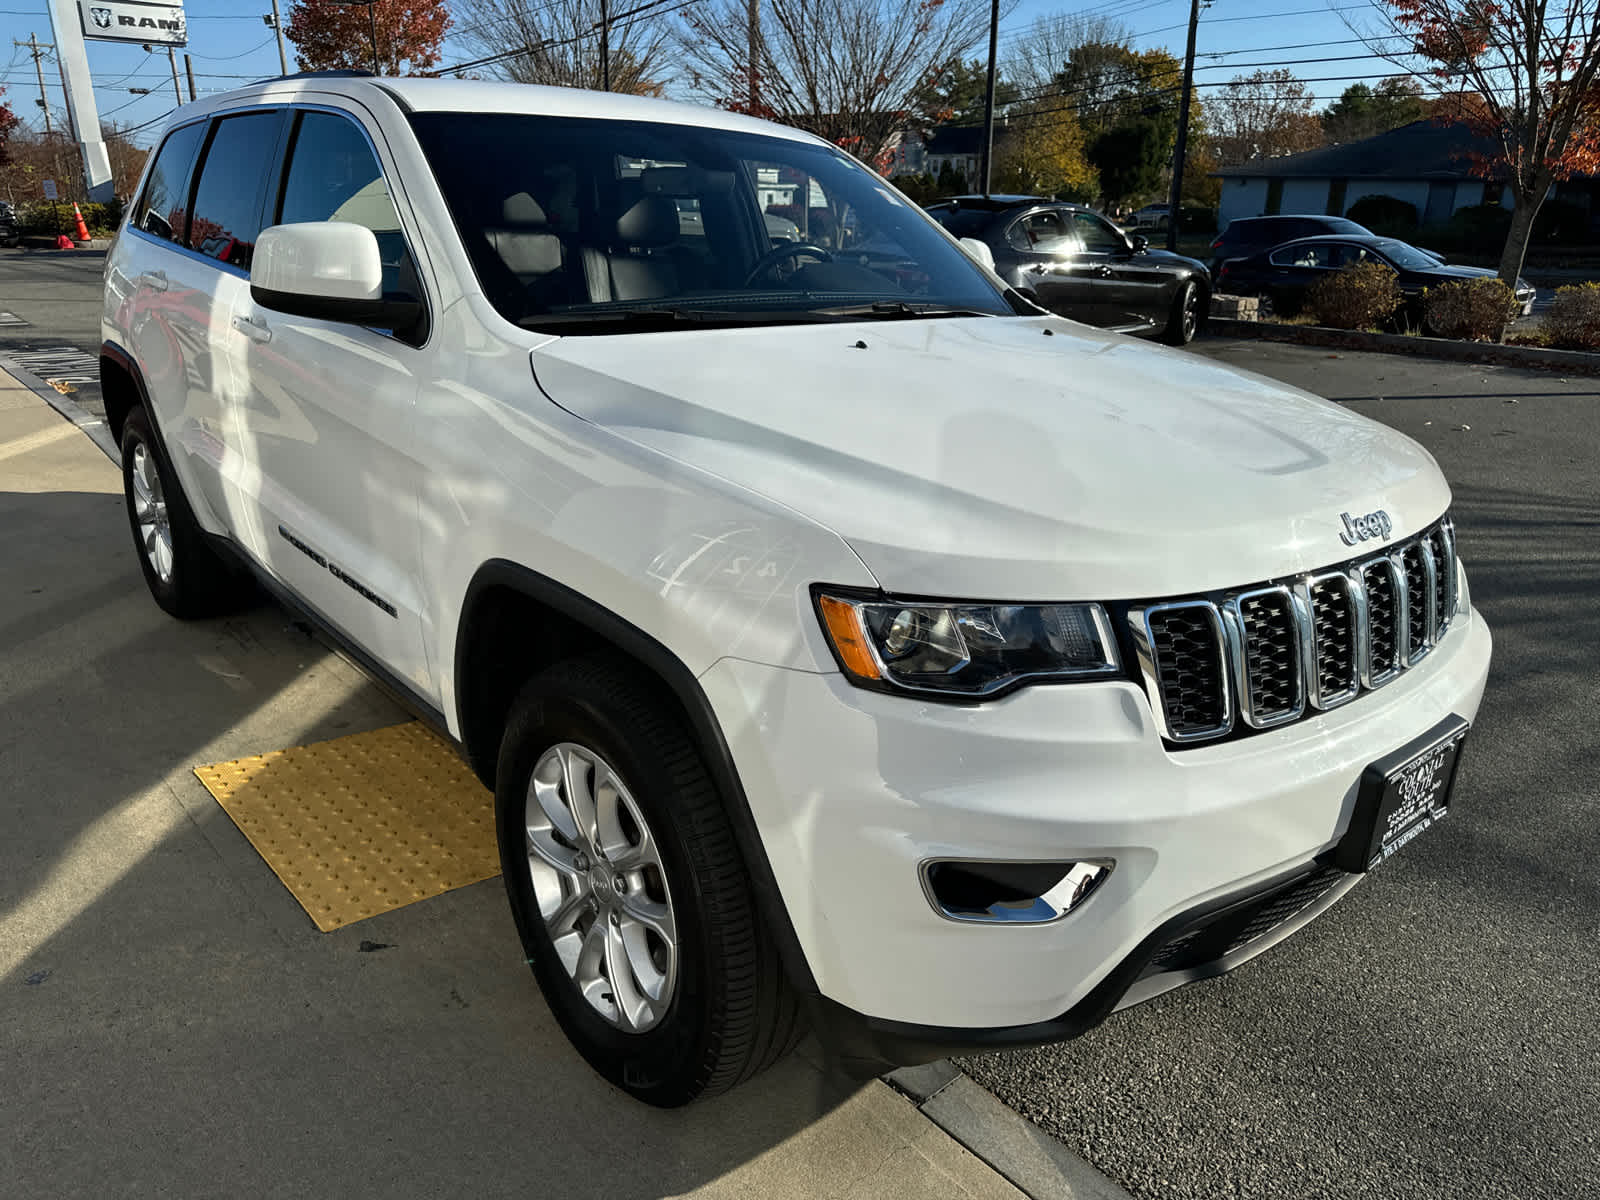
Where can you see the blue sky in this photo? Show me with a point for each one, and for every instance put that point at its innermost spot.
(230, 45)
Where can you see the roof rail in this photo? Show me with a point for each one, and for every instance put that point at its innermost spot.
(340, 73)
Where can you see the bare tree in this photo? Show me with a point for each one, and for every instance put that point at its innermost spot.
(1040, 52)
(849, 71)
(1262, 115)
(561, 40)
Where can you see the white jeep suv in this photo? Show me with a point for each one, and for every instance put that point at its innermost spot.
(849, 644)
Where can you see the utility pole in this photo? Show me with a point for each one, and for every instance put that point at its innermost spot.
(44, 99)
(605, 46)
(372, 24)
(172, 61)
(988, 103)
(1175, 200)
(277, 27)
(751, 62)
(188, 69)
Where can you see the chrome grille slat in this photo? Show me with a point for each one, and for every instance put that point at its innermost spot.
(1267, 655)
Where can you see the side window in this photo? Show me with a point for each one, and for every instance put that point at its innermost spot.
(1042, 233)
(334, 176)
(233, 177)
(1098, 237)
(160, 210)
(1318, 255)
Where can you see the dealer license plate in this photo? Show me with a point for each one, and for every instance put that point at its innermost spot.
(1402, 796)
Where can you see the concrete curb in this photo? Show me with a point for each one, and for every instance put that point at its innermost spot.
(1573, 362)
(1029, 1158)
(98, 431)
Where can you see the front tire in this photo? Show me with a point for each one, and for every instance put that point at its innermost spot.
(185, 575)
(628, 890)
(1184, 320)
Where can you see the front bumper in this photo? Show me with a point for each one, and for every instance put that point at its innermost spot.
(852, 791)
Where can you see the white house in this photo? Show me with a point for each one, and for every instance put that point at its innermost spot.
(1426, 164)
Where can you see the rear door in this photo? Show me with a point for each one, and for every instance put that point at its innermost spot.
(165, 313)
(327, 413)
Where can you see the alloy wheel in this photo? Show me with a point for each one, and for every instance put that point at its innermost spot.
(600, 886)
(150, 511)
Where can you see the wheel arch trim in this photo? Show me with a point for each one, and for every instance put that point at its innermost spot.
(704, 726)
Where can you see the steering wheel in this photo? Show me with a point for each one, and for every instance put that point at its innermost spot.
(786, 251)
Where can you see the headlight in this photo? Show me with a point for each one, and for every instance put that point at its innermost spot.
(966, 650)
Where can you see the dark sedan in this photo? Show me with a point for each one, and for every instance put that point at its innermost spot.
(1283, 273)
(1075, 262)
(10, 234)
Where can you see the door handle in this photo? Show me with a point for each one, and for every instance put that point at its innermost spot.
(253, 329)
(156, 281)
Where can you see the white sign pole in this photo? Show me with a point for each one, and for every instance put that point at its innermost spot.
(80, 99)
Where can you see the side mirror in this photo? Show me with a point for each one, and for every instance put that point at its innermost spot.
(1139, 243)
(979, 250)
(329, 270)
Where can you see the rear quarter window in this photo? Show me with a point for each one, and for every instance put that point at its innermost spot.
(162, 211)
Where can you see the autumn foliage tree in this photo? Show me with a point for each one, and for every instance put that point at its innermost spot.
(1266, 114)
(8, 126)
(1527, 71)
(330, 36)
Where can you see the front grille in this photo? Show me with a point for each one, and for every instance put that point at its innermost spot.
(1269, 640)
(1419, 597)
(1235, 928)
(1333, 640)
(1312, 642)
(1383, 617)
(1192, 683)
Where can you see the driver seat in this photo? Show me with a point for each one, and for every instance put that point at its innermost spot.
(631, 267)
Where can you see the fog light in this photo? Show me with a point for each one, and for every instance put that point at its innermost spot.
(1010, 893)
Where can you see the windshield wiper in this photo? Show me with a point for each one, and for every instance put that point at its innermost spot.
(669, 317)
(899, 310)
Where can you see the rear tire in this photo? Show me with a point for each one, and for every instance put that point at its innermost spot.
(667, 1019)
(1184, 320)
(186, 576)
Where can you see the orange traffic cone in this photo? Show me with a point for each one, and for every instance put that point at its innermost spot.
(83, 227)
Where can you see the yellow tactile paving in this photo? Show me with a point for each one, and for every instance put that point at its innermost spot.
(362, 824)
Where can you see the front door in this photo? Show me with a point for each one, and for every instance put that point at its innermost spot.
(1053, 264)
(329, 421)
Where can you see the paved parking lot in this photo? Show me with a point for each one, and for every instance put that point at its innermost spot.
(1433, 1035)
(173, 1023)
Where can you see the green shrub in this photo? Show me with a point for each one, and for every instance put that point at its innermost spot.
(38, 219)
(1362, 294)
(1384, 215)
(1573, 322)
(1476, 310)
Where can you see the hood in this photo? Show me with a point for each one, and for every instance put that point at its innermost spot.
(1460, 272)
(1009, 458)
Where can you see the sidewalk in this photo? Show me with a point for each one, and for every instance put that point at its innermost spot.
(174, 1023)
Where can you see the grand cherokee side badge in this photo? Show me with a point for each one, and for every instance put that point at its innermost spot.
(1361, 529)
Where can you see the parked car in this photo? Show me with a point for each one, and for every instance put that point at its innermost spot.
(1245, 236)
(1075, 262)
(847, 642)
(10, 231)
(1283, 273)
(1153, 216)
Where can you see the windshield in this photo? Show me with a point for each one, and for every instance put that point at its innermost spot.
(1408, 258)
(582, 225)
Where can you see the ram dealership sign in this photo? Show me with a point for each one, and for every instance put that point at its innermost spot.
(134, 21)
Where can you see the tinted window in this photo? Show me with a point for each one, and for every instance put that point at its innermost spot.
(1096, 235)
(334, 176)
(1043, 233)
(962, 222)
(233, 179)
(574, 223)
(1318, 254)
(161, 210)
